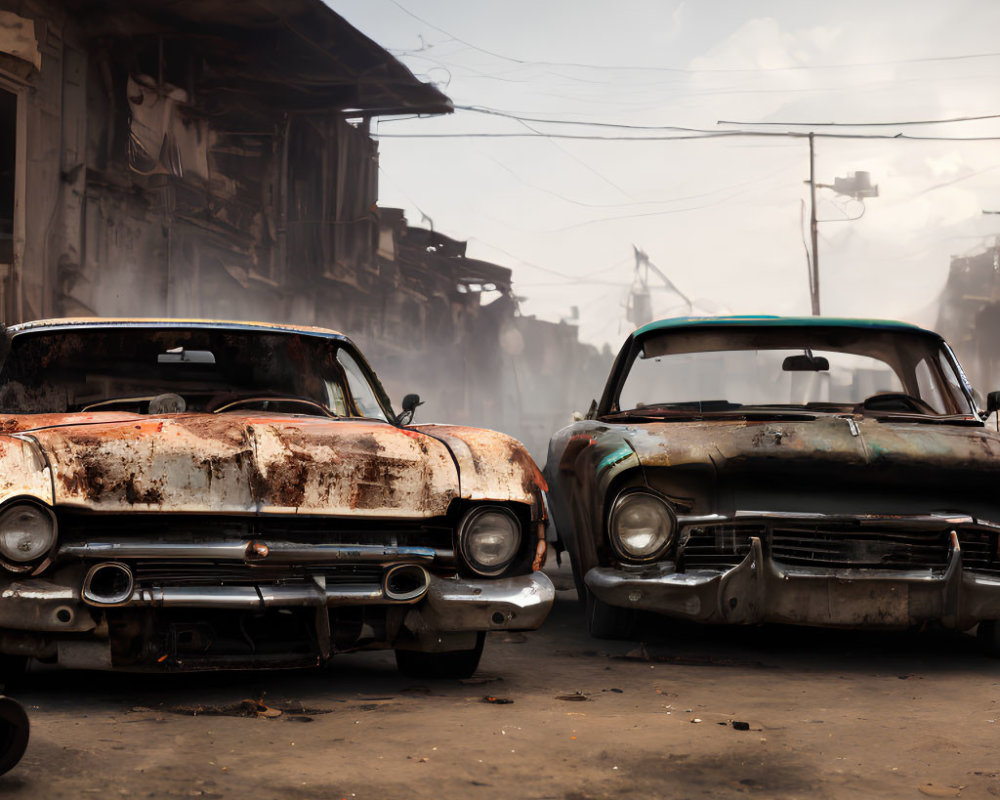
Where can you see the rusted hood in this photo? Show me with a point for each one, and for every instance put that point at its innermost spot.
(930, 463)
(200, 463)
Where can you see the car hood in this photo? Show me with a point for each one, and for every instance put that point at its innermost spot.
(234, 463)
(756, 461)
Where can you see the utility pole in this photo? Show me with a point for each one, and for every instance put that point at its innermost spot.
(813, 231)
(859, 186)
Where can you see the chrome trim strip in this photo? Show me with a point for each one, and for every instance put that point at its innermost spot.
(236, 550)
(256, 597)
(900, 519)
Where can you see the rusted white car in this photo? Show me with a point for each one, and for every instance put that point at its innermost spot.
(183, 495)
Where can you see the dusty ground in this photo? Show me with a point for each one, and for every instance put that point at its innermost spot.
(830, 714)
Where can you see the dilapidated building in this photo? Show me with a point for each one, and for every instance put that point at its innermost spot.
(191, 158)
(969, 315)
(212, 159)
(451, 331)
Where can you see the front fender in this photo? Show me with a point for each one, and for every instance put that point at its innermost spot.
(491, 466)
(24, 470)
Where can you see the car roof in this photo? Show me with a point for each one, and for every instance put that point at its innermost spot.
(126, 322)
(762, 321)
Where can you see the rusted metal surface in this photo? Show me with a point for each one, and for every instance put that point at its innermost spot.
(229, 519)
(821, 514)
(492, 465)
(24, 470)
(222, 464)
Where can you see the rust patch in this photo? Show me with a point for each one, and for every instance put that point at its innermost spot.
(150, 496)
(285, 484)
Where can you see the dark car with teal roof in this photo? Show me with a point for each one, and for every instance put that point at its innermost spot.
(809, 471)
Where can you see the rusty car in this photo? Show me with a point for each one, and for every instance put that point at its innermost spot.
(185, 495)
(809, 471)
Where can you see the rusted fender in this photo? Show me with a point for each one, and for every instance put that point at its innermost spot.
(24, 471)
(235, 463)
(492, 465)
(14, 731)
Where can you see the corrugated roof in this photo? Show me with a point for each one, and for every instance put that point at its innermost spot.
(293, 53)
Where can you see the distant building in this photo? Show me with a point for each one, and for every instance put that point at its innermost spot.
(969, 315)
(452, 333)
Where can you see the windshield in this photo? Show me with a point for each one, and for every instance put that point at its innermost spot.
(792, 369)
(165, 370)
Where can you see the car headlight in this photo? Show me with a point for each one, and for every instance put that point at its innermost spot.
(489, 539)
(27, 532)
(641, 525)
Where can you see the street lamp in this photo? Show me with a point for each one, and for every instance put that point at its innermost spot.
(859, 186)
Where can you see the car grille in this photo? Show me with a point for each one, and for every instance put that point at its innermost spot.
(831, 546)
(199, 573)
(182, 529)
(857, 548)
(716, 546)
(306, 530)
(980, 551)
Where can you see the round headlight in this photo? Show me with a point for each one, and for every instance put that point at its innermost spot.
(489, 539)
(27, 532)
(642, 526)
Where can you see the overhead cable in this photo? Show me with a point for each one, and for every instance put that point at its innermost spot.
(862, 124)
(689, 71)
(684, 137)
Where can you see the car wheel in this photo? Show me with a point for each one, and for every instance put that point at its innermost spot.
(610, 622)
(989, 637)
(13, 733)
(454, 664)
(11, 668)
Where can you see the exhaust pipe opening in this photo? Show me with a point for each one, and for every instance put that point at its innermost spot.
(108, 584)
(14, 730)
(406, 582)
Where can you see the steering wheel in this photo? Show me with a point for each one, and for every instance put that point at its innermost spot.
(895, 401)
(261, 404)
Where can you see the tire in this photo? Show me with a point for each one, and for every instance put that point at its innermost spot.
(610, 622)
(988, 635)
(454, 664)
(13, 733)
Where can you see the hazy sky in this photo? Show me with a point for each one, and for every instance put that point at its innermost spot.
(723, 216)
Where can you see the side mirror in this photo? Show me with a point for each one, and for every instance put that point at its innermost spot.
(410, 403)
(992, 402)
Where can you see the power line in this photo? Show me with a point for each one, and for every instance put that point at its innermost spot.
(690, 71)
(661, 202)
(705, 134)
(582, 162)
(495, 112)
(862, 124)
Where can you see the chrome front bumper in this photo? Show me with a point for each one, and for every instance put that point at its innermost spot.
(450, 604)
(759, 590)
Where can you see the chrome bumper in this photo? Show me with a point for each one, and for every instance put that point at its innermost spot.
(512, 604)
(449, 604)
(759, 590)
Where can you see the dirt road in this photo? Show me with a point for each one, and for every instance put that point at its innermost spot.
(691, 713)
